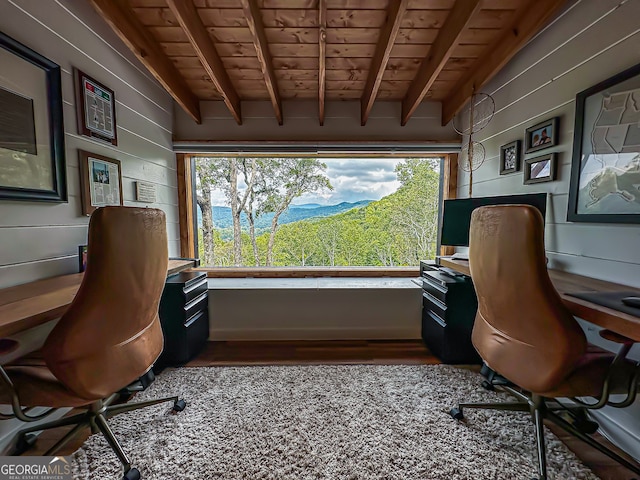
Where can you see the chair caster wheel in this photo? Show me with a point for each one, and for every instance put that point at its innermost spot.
(131, 474)
(24, 443)
(456, 414)
(179, 405)
(588, 427)
(488, 385)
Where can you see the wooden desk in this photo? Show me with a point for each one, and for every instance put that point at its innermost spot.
(614, 320)
(32, 304)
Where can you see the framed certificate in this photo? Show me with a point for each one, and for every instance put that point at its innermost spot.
(100, 181)
(96, 108)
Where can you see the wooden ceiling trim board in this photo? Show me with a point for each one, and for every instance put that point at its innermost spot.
(254, 21)
(386, 42)
(187, 15)
(433, 63)
(322, 57)
(529, 19)
(127, 26)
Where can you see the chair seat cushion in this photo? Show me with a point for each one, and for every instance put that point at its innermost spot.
(587, 379)
(37, 386)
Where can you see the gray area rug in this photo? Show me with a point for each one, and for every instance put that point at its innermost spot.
(324, 422)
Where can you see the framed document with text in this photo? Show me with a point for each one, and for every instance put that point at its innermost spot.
(96, 108)
(100, 181)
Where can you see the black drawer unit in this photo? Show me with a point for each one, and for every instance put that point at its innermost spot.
(449, 307)
(184, 314)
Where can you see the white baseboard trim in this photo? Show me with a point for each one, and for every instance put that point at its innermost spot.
(618, 433)
(9, 428)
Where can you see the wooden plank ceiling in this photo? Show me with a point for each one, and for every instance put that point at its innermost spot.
(386, 50)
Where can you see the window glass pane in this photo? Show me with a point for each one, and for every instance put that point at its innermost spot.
(309, 211)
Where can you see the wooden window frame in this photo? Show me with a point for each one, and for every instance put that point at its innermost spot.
(188, 230)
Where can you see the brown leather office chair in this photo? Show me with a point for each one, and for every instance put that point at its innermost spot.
(525, 333)
(108, 338)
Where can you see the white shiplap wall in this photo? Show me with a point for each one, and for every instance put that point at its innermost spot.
(342, 123)
(590, 41)
(39, 240)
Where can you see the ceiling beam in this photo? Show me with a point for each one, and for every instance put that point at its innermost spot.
(322, 57)
(254, 21)
(190, 21)
(124, 22)
(528, 21)
(387, 39)
(439, 53)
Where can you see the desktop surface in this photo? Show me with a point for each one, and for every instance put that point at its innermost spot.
(566, 283)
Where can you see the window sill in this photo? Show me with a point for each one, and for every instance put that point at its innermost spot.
(304, 272)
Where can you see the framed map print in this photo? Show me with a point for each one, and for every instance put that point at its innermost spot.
(96, 108)
(605, 169)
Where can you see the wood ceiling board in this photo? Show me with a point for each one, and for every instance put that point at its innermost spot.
(322, 58)
(127, 26)
(254, 20)
(388, 34)
(202, 44)
(419, 4)
(528, 20)
(447, 42)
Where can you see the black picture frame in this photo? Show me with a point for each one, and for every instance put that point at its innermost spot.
(105, 118)
(584, 128)
(540, 169)
(538, 138)
(510, 157)
(58, 192)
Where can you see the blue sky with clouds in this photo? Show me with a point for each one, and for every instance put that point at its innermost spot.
(352, 179)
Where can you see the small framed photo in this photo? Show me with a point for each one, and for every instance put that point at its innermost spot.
(96, 108)
(510, 157)
(82, 258)
(542, 135)
(540, 169)
(100, 181)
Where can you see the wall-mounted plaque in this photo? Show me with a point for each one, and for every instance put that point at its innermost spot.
(100, 181)
(145, 192)
(96, 108)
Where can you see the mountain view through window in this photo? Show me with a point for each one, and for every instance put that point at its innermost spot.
(308, 211)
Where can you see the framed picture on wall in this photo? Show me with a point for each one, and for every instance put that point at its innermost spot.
(100, 181)
(96, 108)
(541, 136)
(540, 169)
(32, 155)
(605, 168)
(510, 157)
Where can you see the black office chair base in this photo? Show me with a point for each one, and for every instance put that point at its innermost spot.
(540, 409)
(96, 419)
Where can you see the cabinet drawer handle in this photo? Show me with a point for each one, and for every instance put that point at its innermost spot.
(199, 298)
(194, 318)
(434, 300)
(438, 320)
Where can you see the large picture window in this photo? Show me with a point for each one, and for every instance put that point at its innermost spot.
(284, 211)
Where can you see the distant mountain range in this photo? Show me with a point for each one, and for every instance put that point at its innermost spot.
(222, 215)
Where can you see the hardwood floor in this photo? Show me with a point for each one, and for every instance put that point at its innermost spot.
(337, 352)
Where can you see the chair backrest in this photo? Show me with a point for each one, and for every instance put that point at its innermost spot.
(111, 334)
(522, 330)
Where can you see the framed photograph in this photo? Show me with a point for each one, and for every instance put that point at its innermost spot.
(605, 168)
(32, 158)
(541, 136)
(82, 258)
(510, 157)
(96, 108)
(100, 181)
(540, 169)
